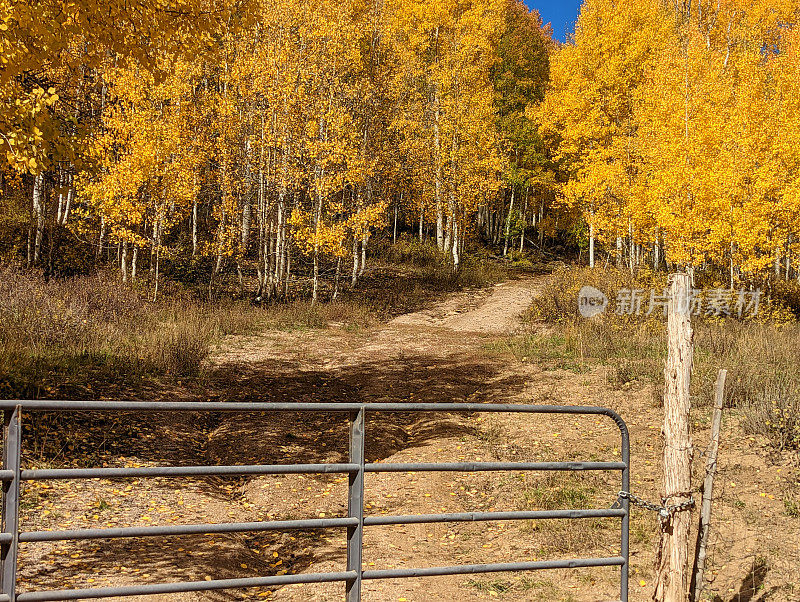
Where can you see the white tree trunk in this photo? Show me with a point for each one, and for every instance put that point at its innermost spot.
(448, 233)
(777, 261)
(788, 262)
(246, 220)
(364, 242)
(61, 196)
(631, 249)
(317, 221)
(438, 183)
(508, 221)
(194, 227)
(124, 261)
(524, 222)
(102, 238)
(281, 256)
(456, 245)
(38, 211)
(656, 253)
(68, 203)
(354, 279)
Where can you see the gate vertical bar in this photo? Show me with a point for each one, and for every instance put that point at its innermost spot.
(355, 505)
(12, 435)
(626, 484)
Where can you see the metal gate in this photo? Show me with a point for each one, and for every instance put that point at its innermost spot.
(12, 476)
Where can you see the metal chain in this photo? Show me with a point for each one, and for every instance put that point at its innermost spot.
(665, 513)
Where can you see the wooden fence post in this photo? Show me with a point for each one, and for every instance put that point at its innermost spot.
(673, 558)
(698, 575)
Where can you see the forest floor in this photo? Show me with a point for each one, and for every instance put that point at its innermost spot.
(454, 351)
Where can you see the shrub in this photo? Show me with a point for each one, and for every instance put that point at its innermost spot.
(558, 302)
(477, 273)
(787, 293)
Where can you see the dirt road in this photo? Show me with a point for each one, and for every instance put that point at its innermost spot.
(497, 312)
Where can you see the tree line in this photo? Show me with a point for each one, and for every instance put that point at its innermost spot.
(271, 139)
(277, 134)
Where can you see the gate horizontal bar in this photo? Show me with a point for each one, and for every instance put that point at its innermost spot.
(462, 517)
(174, 530)
(184, 471)
(229, 406)
(313, 523)
(195, 586)
(491, 466)
(469, 569)
(274, 469)
(188, 586)
(6, 475)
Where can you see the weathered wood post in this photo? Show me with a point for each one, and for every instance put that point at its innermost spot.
(698, 575)
(673, 559)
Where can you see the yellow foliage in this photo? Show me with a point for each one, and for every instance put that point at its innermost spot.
(682, 129)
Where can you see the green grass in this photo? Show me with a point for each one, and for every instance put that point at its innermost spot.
(555, 493)
(493, 585)
(791, 507)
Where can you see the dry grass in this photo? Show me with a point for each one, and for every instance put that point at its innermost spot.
(351, 313)
(555, 491)
(764, 376)
(89, 329)
(74, 336)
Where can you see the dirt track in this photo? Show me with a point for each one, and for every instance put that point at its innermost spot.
(498, 312)
(453, 352)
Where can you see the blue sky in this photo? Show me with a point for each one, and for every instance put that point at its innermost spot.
(561, 13)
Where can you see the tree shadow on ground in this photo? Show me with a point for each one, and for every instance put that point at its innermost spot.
(124, 562)
(752, 586)
(92, 439)
(323, 437)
